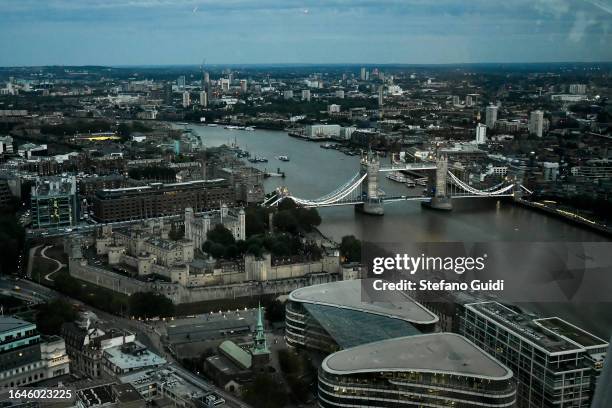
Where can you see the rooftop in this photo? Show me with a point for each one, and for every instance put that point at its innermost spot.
(347, 295)
(443, 353)
(128, 358)
(236, 353)
(8, 324)
(552, 335)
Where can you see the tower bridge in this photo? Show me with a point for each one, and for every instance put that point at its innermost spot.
(362, 190)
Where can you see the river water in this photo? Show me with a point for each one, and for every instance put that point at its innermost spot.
(313, 172)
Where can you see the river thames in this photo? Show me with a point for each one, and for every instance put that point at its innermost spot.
(313, 172)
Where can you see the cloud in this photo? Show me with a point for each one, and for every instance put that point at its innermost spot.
(580, 27)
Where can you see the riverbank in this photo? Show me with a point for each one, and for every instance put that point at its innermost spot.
(566, 215)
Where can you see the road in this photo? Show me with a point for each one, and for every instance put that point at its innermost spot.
(145, 333)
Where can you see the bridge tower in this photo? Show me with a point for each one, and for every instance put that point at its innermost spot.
(372, 201)
(440, 200)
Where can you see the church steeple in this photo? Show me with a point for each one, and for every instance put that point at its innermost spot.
(260, 345)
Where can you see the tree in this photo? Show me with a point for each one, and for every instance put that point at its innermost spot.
(350, 248)
(149, 304)
(256, 220)
(11, 241)
(264, 392)
(285, 221)
(52, 315)
(221, 235)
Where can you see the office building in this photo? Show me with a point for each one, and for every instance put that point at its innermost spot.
(128, 357)
(180, 82)
(471, 100)
(481, 134)
(203, 99)
(186, 99)
(287, 94)
(168, 387)
(332, 316)
(86, 344)
(306, 95)
(491, 116)
(362, 74)
(225, 84)
(577, 89)
(26, 357)
(206, 79)
(456, 101)
(536, 123)
(54, 202)
(555, 363)
(339, 94)
(243, 85)
(157, 199)
(6, 145)
(381, 95)
(429, 370)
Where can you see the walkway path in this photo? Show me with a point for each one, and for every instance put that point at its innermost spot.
(60, 265)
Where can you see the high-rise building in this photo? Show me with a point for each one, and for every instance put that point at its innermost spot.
(225, 84)
(362, 74)
(186, 99)
(536, 123)
(491, 116)
(577, 89)
(168, 95)
(381, 95)
(180, 82)
(429, 370)
(306, 95)
(471, 100)
(27, 357)
(54, 202)
(555, 363)
(203, 99)
(456, 101)
(481, 133)
(243, 85)
(206, 78)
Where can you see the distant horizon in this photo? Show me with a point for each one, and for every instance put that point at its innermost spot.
(307, 64)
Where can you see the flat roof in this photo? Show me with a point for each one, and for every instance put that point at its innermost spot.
(125, 361)
(347, 295)
(8, 324)
(440, 353)
(553, 335)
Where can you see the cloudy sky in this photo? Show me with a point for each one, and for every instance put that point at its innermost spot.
(128, 32)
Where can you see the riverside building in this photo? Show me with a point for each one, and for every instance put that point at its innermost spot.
(429, 370)
(326, 317)
(555, 363)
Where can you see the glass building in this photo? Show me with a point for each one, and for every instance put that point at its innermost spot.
(333, 316)
(429, 370)
(555, 363)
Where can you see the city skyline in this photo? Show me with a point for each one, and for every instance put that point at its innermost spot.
(161, 32)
